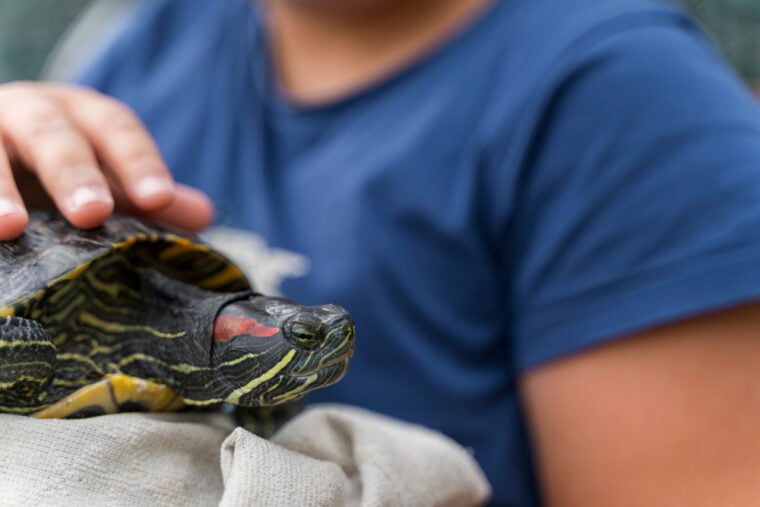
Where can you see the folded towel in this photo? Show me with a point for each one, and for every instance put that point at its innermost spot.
(328, 455)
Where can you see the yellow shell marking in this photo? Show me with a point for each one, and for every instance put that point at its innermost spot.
(76, 271)
(178, 247)
(112, 289)
(110, 393)
(229, 274)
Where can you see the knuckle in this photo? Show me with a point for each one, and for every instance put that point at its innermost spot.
(116, 116)
(61, 151)
(44, 126)
(39, 121)
(35, 118)
(124, 123)
(131, 149)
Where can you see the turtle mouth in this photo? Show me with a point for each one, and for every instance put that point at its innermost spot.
(330, 364)
(319, 377)
(326, 375)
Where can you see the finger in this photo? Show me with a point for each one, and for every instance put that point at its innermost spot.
(13, 215)
(123, 144)
(50, 145)
(191, 210)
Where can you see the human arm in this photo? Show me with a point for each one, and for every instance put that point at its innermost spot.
(647, 215)
(90, 154)
(664, 417)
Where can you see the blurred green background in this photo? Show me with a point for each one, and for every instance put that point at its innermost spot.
(735, 27)
(29, 30)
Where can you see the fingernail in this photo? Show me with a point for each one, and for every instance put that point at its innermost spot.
(10, 207)
(85, 195)
(153, 185)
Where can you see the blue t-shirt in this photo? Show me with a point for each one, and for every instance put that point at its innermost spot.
(554, 175)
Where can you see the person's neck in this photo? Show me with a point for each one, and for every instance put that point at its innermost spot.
(324, 54)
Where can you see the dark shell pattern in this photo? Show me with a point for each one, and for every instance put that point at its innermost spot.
(86, 288)
(50, 249)
(124, 317)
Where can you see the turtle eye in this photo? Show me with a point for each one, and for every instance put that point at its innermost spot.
(304, 335)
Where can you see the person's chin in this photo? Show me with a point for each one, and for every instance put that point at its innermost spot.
(347, 6)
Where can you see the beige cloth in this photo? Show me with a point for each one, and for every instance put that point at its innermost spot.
(328, 455)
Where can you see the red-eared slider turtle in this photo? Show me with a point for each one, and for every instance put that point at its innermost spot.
(131, 316)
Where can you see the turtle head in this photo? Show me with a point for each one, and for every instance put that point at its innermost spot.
(270, 350)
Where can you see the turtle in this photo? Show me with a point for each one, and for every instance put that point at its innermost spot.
(134, 316)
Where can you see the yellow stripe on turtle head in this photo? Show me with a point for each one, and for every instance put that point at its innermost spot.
(234, 396)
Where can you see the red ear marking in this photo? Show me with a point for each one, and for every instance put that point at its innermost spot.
(228, 326)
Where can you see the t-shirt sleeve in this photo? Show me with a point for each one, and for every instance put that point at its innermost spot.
(640, 197)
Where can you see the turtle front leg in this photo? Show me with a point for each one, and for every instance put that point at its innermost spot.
(27, 359)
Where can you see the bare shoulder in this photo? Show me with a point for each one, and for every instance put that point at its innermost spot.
(667, 417)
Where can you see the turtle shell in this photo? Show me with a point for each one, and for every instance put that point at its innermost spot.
(51, 251)
(122, 305)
